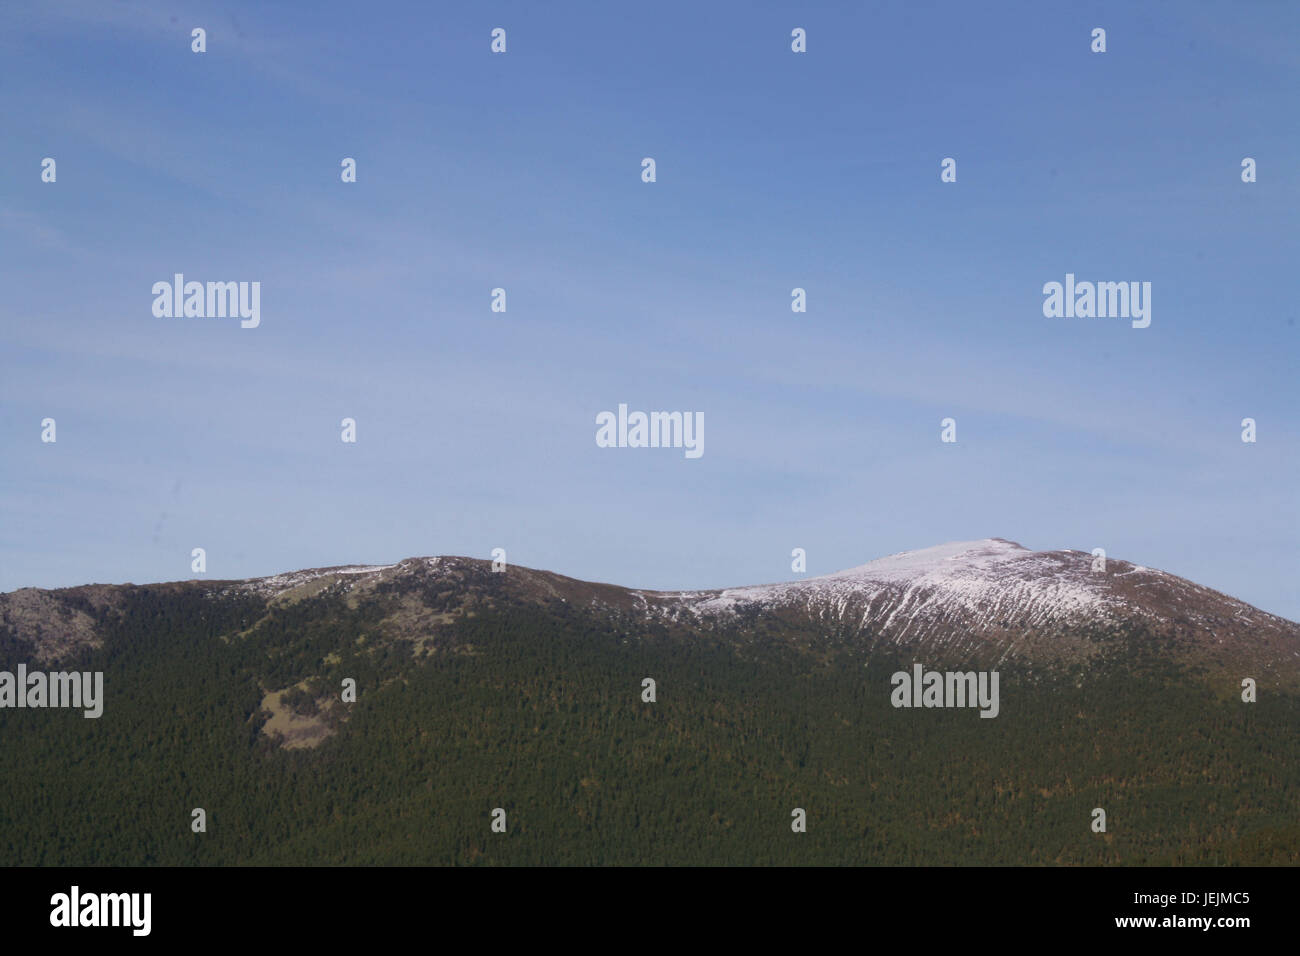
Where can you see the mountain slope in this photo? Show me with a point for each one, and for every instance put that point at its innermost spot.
(525, 690)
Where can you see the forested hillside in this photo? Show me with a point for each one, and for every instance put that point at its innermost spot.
(537, 709)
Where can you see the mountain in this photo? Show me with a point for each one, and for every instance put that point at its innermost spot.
(993, 601)
(523, 690)
(976, 602)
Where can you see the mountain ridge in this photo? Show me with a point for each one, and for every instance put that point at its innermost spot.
(985, 601)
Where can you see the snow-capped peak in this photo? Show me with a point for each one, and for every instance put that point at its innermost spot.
(954, 555)
(970, 585)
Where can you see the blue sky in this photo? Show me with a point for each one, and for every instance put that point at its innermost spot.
(775, 170)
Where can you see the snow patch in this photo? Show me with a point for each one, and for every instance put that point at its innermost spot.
(976, 584)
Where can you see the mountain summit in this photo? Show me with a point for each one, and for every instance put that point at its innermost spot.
(995, 599)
